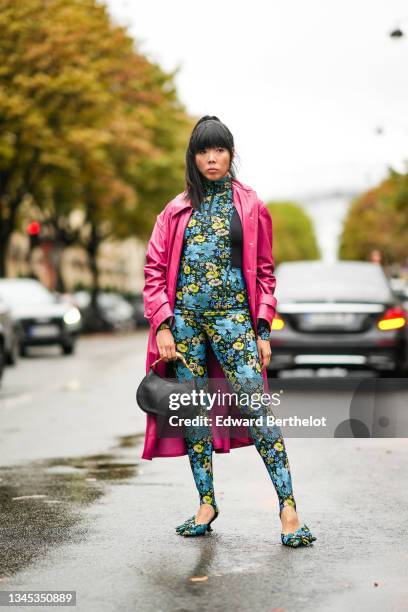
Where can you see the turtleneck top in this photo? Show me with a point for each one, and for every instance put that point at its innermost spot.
(235, 229)
(210, 272)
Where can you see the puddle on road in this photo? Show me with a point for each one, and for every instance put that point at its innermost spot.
(98, 467)
(130, 441)
(41, 502)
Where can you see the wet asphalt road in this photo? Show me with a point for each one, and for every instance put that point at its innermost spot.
(80, 510)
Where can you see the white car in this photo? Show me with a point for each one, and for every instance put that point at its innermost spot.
(42, 319)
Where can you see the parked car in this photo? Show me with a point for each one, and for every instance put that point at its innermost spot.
(137, 302)
(2, 352)
(42, 318)
(113, 313)
(400, 288)
(10, 329)
(338, 314)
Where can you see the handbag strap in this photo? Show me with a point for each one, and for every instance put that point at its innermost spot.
(180, 356)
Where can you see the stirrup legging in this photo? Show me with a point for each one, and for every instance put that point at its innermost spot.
(233, 342)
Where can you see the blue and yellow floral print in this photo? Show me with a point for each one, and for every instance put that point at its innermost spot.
(232, 339)
(206, 279)
(212, 306)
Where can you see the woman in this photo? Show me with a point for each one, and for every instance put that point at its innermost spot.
(208, 294)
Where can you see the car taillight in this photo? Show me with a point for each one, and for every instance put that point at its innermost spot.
(278, 322)
(393, 318)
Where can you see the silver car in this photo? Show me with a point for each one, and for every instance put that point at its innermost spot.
(10, 334)
(42, 319)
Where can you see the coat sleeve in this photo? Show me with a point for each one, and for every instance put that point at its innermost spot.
(265, 277)
(156, 302)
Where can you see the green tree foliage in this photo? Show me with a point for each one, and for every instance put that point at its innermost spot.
(86, 121)
(293, 233)
(378, 219)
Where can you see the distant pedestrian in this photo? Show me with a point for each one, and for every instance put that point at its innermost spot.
(375, 256)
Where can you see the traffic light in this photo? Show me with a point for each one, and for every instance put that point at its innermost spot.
(33, 231)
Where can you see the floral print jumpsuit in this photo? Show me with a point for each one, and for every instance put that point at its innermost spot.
(212, 306)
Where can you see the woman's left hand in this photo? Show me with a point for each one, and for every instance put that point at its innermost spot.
(264, 352)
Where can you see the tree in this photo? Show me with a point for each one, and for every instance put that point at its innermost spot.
(294, 236)
(378, 219)
(85, 121)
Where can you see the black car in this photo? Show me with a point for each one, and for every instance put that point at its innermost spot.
(338, 314)
(113, 312)
(42, 318)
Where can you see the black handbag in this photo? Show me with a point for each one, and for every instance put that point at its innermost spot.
(153, 393)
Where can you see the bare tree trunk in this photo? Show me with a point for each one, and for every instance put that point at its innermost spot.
(93, 247)
(7, 227)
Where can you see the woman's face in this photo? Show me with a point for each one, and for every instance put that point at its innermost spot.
(213, 162)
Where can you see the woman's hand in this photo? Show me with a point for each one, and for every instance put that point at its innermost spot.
(264, 352)
(166, 344)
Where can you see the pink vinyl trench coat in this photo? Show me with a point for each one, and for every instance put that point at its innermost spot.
(161, 270)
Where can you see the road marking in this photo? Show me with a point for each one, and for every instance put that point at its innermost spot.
(28, 497)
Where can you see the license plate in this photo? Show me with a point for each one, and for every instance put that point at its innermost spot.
(328, 319)
(41, 331)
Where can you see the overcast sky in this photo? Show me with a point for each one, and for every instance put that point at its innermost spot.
(303, 85)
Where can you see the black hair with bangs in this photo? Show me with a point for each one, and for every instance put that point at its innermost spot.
(208, 132)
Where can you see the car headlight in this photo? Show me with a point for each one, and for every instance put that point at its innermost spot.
(72, 316)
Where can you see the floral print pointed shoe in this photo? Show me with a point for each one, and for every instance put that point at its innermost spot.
(190, 529)
(301, 537)
(184, 525)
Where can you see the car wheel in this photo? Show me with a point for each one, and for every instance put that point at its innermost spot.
(2, 360)
(401, 372)
(12, 355)
(68, 349)
(396, 373)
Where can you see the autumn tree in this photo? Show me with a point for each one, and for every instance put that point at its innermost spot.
(378, 219)
(86, 121)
